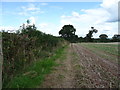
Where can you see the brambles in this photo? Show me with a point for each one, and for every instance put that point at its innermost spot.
(21, 49)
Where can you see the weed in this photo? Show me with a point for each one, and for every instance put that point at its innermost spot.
(35, 73)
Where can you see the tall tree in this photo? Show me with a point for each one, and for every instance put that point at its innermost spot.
(68, 32)
(116, 38)
(103, 37)
(90, 34)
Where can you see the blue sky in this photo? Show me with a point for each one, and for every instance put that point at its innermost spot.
(50, 12)
(49, 17)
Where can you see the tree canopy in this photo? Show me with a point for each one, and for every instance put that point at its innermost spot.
(103, 36)
(90, 34)
(68, 32)
(116, 38)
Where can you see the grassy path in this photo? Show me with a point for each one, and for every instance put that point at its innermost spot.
(63, 75)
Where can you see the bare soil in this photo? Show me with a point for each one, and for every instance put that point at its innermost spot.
(82, 69)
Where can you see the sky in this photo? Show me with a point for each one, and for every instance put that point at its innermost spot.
(50, 17)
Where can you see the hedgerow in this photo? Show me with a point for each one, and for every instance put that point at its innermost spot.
(24, 47)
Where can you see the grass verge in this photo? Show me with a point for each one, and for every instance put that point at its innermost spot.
(34, 75)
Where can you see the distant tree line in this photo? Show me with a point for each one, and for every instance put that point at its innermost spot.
(68, 33)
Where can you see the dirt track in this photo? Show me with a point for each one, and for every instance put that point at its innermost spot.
(82, 69)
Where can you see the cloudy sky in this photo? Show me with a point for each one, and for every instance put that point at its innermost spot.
(50, 17)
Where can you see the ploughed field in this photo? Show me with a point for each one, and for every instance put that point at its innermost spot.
(86, 65)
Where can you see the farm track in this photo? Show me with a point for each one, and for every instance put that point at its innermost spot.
(82, 69)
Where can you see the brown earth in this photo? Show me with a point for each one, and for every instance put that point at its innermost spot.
(82, 69)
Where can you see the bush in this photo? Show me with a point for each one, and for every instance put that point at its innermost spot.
(20, 49)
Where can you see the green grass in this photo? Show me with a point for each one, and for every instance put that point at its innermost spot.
(108, 51)
(108, 48)
(34, 75)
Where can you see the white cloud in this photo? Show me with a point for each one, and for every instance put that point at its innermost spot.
(109, 3)
(111, 6)
(56, 7)
(103, 18)
(49, 28)
(44, 4)
(32, 20)
(75, 14)
(30, 9)
(43, 25)
(8, 28)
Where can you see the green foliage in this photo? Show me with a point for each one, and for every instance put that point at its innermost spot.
(103, 37)
(33, 75)
(116, 38)
(89, 35)
(21, 49)
(68, 33)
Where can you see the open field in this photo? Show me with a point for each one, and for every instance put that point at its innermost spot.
(85, 66)
(106, 50)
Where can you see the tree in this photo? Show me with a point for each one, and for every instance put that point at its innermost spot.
(116, 38)
(28, 21)
(81, 39)
(29, 28)
(89, 35)
(103, 37)
(68, 32)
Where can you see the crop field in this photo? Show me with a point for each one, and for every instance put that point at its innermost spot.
(106, 50)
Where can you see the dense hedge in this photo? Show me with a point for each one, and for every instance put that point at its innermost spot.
(21, 49)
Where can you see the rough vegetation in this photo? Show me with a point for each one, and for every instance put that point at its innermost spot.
(25, 47)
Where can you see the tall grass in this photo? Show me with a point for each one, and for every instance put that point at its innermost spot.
(33, 75)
